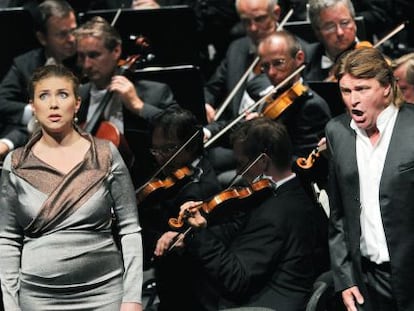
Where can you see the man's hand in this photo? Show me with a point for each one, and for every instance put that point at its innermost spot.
(349, 296)
(251, 115)
(125, 89)
(4, 150)
(165, 241)
(194, 218)
(144, 4)
(210, 112)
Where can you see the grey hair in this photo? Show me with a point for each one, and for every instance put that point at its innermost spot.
(98, 27)
(316, 6)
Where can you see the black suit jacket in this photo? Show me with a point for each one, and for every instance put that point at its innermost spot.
(396, 198)
(14, 93)
(239, 56)
(175, 271)
(264, 259)
(313, 70)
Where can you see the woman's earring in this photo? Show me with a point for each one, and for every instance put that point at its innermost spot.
(75, 119)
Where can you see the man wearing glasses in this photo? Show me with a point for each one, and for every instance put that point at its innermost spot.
(334, 26)
(259, 18)
(306, 117)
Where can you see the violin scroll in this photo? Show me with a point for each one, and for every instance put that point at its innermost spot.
(308, 162)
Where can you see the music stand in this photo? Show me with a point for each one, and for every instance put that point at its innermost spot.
(185, 82)
(171, 31)
(303, 29)
(329, 91)
(16, 33)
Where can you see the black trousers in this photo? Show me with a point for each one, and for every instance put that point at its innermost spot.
(377, 278)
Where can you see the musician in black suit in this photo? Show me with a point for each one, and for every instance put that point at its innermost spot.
(174, 270)
(55, 26)
(132, 106)
(306, 116)
(263, 258)
(334, 25)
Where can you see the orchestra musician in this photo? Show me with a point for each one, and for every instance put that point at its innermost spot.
(174, 270)
(133, 106)
(264, 258)
(333, 22)
(305, 118)
(404, 74)
(54, 31)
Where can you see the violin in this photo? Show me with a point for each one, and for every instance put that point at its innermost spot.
(276, 107)
(228, 195)
(156, 185)
(251, 107)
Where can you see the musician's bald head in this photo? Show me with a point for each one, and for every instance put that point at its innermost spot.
(259, 17)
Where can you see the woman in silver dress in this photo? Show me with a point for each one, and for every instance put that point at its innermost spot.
(58, 195)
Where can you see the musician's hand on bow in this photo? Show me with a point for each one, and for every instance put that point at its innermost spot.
(165, 241)
(194, 218)
(210, 112)
(126, 91)
(251, 115)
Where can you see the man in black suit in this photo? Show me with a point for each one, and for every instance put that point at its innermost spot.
(132, 106)
(264, 258)
(174, 270)
(371, 188)
(334, 25)
(55, 26)
(259, 19)
(305, 118)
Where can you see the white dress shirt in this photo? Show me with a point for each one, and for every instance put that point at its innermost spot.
(370, 159)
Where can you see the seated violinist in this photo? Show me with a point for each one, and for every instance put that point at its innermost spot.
(133, 106)
(173, 130)
(306, 116)
(265, 258)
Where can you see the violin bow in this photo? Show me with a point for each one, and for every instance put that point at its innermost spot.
(251, 107)
(180, 236)
(246, 168)
(244, 77)
(390, 35)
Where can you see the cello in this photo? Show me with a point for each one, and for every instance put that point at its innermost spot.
(106, 129)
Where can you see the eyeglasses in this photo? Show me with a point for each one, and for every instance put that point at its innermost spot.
(258, 20)
(164, 150)
(278, 63)
(332, 27)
